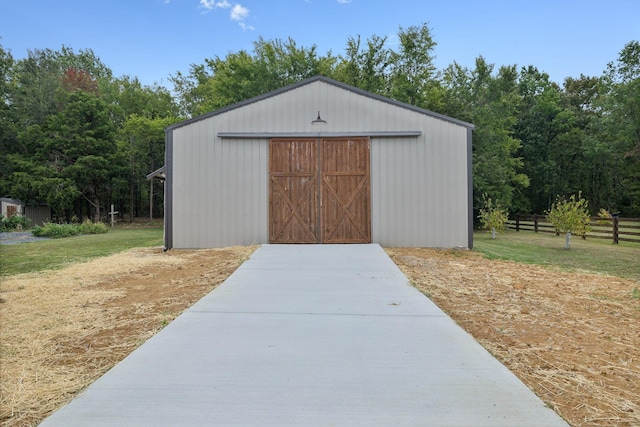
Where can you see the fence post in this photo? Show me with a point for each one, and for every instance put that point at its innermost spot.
(518, 223)
(535, 223)
(615, 230)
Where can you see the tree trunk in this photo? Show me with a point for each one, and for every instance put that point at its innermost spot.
(96, 215)
(151, 200)
(493, 233)
(567, 240)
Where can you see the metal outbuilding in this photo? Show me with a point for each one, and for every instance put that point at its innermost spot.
(319, 161)
(37, 215)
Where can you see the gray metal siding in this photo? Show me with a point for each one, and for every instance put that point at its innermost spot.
(220, 198)
(38, 215)
(419, 190)
(219, 186)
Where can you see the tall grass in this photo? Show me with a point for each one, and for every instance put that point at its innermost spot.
(56, 253)
(591, 255)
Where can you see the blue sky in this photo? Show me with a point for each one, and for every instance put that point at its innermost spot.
(152, 39)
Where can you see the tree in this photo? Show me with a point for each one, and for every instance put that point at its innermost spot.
(490, 102)
(241, 75)
(69, 157)
(367, 68)
(414, 78)
(620, 127)
(590, 157)
(8, 129)
(550, 149)
(80, 142)
(493, 216)
(141, 148)
(570, 216)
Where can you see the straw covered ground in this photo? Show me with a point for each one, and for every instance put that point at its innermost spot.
(573, 338)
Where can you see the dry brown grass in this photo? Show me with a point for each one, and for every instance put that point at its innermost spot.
(61, 330)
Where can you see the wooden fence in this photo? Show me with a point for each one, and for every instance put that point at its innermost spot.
(614, 229)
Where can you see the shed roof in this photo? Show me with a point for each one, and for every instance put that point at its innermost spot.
(158, 174)
(327, 81)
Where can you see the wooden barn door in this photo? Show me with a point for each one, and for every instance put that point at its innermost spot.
(319, 191)
(293, 193)
(345, 206)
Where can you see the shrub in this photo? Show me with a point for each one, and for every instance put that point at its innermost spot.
(88, 227)
(14, 222)
(56, 231)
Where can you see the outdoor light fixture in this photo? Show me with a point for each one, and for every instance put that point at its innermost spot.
(318, 120)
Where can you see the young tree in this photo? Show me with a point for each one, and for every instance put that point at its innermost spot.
(493, 216)
(570, 216)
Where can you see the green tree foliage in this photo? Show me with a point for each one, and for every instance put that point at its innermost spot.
(367, 68)
(590, 158)
(8, 130)
(545, 131)
(620, 127)
(570, 216)
(414, 77)
(141, 151)
(241, 75)
(73, 150)
(493, 216)
(62, 128)
(490, 102)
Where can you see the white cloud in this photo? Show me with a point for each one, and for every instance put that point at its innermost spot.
(239, 13)
(213, 4)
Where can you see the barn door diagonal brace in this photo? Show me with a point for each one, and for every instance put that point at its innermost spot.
(292, 207)
(345, 206)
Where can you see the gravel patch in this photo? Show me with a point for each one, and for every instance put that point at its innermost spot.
(15, 237)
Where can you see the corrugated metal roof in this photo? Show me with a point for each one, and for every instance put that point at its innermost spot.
(327, 81)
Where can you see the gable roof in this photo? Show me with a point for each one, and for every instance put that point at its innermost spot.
(327, 81)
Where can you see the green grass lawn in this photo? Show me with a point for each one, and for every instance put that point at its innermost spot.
(56, 253)
(594, 255)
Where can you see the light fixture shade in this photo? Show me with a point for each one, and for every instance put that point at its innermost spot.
(318, 120)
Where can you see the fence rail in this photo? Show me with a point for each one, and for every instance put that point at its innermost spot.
(615, 229)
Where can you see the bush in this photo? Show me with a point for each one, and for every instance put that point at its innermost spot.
(56, 231)
(88, 227)
(14, 222)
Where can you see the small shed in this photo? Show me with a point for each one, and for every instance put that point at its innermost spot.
(319, 161)
(37, 215)
(10, 207)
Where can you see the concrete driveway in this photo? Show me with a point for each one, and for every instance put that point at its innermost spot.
(310, 335)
